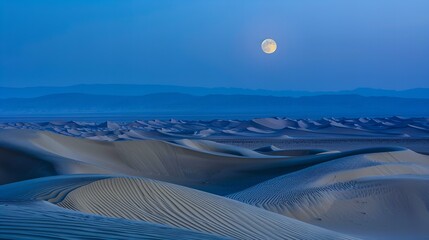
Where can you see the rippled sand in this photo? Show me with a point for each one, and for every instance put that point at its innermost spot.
(56, 186)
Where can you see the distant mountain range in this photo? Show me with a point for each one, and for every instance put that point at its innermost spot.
(218, 105)
(139, 90)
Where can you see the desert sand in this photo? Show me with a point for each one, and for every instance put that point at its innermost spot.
(258, 128)
(68, 187)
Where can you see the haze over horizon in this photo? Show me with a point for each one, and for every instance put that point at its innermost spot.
(322, 46)
(208, 87)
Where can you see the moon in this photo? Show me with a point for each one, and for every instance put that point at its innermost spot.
(269, 46)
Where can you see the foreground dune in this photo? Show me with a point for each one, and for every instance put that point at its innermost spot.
(42, 220)
(153, 201)
(372, 195)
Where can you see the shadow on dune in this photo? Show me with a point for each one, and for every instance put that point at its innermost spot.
(205, 165)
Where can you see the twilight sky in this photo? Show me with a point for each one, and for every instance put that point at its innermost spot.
(322, 45)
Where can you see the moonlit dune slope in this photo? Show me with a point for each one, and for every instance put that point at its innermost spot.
(150, 201)
(378, 195)
(205, 165)
(199, 189)
(42, 220)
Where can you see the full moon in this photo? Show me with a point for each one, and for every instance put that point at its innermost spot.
(269, 46)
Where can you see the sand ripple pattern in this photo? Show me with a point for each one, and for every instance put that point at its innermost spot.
(172, 205)
(362, 195)
(40, 220)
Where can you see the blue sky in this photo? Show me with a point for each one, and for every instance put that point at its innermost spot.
(322, 45)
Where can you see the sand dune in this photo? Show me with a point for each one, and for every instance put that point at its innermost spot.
(260, 128)
(204, 165)
(369, 195)
(200, 189)
(163, 203)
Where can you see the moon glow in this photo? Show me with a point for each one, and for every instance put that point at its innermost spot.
(269, 46)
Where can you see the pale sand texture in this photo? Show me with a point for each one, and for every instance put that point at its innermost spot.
(205, 165)
(42, 220)
(368, 195)
(78, 188)
(163, 203)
